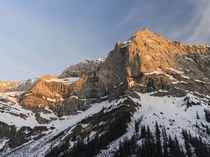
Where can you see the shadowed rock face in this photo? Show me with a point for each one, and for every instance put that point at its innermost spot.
(146, 61)
(17, 137)
(82, 68)
(23, 86)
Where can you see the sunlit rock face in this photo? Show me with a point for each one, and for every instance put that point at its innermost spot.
(47, 91)
(4, 85)
(147, 61)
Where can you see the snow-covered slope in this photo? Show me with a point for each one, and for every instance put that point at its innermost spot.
(150, 97)
(169, 112)
(41, 146)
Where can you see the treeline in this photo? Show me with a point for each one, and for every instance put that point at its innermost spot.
(194, 145)
(143, 143)
(147, 144)
(92, 147)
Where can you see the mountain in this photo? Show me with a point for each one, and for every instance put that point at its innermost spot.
(23, 86)
(82, 68)
(4, 85)
(149, 97)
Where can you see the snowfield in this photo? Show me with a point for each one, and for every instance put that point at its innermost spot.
(170, 112)
(40, 147)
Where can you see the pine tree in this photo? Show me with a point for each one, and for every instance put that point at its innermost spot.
(158, 141)
(187, 143)
(143, 132)
(197, 116)
(165, 142)
(207, 130)
(136, 127)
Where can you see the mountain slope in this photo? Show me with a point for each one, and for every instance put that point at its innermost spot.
(146, 84)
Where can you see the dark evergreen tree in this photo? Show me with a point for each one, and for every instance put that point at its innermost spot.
(158, 141)
(143, 132)
(136, 126)
(197, 116)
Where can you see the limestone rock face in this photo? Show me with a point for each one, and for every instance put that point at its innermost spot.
(146, 62)
(4, 85)
(23, 86)
(151, 62)
(82, 68)
(47, 91)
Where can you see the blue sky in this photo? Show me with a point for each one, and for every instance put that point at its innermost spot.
(46, 36)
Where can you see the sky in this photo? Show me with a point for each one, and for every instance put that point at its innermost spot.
(46, 36)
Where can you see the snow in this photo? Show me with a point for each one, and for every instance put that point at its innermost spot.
(11, 96)
(184, 76)
(125, 44)
(176, 71)
(39, 148)
(100, 59)
(181, 73)
(48, 116)
(157, 72)
(189, 59)
(200, 81)
(3, 142)
(115, 104)
(25, 82)
(69, 80)
(18, 121)
(176, 82)
(170, 112)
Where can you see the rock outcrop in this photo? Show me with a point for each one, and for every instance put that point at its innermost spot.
(82, 68)
(47, 91)
(5, 85)
(23, 86)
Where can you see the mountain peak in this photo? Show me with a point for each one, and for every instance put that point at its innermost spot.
(152, 81)
(144, 32)
(48, 77)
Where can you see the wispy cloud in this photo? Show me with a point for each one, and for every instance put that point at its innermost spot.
(197, 29)
(182, 20)
(201, 23)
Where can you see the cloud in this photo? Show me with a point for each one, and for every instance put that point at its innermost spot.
(197, 29)
(201, 23)
(182, 20)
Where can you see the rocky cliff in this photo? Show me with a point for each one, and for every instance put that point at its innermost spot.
(81, 68)
(151, 62)
(47, 91)
(23, 86)
(146, 61)
(4, 85)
